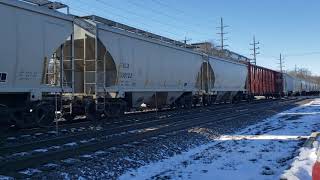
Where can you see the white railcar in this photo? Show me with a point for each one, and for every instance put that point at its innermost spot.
(29, 37)
(138, 67)
(304, 86)
(298, 86)
(288, 84)
(149, 66)
(149, 70)
(229, 77)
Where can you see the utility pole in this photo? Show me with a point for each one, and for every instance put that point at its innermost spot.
(185, 41)
(255, 50)
(281, 73)
(222, 33)
(281, 63)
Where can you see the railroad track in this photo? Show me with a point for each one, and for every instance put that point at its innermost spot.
(90, 142)
(127, 118)
(114, 130)
(36, 135)
(40, 134)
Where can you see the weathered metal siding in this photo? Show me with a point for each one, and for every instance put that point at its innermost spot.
(28, 34)
(297, 85)
(288, 83)
(264, 82)
(229, 76)
(145, 65)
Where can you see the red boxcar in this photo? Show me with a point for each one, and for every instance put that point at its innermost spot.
(264, 82)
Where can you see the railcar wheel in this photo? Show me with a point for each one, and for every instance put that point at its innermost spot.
(44, 114)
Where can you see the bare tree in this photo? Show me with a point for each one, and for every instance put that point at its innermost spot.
(304, 73)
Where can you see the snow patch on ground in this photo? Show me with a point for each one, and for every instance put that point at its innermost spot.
(65, 176)
(21, 154)
(30, 171)
(261, 151)
(71, 144)
(301, 168)
(40, 150)
(6, 178)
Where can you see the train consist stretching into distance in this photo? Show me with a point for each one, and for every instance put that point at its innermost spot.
(100, 68)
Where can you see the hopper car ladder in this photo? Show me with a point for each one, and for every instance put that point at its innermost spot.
(54, 75)
(100, 77)
(66, 104)
(94, 87)
(66, 97)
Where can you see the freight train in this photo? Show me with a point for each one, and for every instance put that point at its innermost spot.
(55, 62)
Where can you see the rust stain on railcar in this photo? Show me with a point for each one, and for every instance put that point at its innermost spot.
(263, 81)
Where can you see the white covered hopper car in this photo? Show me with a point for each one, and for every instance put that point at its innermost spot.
(134, 67)
(29, 37)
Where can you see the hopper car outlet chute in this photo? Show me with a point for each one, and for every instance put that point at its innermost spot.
(100, 68)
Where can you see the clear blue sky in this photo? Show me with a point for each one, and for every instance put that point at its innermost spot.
(291, 27)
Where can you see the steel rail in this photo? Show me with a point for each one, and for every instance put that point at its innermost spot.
(11, 167)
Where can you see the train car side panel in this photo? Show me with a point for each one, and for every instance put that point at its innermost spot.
(264, 82)
(151, 66)
(146, 66)
(228, 76)
(288, 84)
(30, 38)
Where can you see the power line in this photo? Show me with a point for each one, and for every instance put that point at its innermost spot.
(84, 10)
(154, 20)
(171, 18)
(303, 54)
(255, 50)
(170, 7)
(124, 17)
(169, 25)
(179, 11)
(134, 13)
